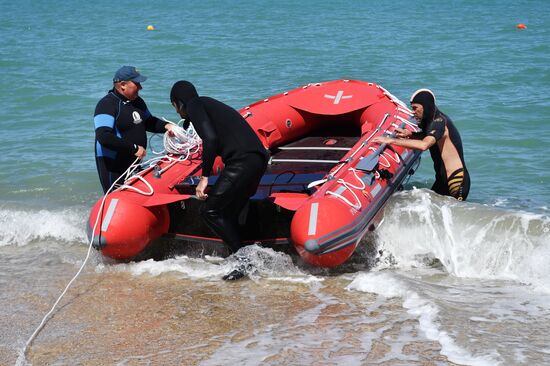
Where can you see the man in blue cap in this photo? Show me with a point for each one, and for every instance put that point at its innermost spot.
(121, 120)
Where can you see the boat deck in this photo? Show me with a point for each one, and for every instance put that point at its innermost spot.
(291, 168)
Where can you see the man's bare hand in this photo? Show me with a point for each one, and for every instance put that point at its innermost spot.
(141, 152)
(201, 187)
(403, 133)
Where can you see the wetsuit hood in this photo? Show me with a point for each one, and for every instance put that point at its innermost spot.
(182, 92)
(426, 98)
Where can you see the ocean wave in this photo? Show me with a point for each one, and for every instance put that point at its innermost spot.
(424, 310)
(22, 227)
(467, 239)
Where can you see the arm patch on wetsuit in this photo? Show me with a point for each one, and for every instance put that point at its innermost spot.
(436, 128)
(105, 113)
(104, 120)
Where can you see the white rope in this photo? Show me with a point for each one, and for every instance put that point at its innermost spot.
(414, 126)
(129, 187)
(405, 110)
(180, 142)
(374, 132)
(43, 322)
(397, 159)
(385, 155)
(183, 143)
(365, 141)
(343, 163)
(393, 98)
(387, 164)
(350, 187)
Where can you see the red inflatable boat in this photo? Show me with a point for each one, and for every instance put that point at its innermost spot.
(324, 188)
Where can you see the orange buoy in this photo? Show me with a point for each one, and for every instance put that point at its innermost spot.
(150, 27)
(521, 26)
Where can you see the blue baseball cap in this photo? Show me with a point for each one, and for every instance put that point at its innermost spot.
(128, 73)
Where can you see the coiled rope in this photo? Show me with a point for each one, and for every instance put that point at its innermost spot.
(178, 146)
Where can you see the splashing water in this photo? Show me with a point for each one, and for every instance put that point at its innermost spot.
(468, 240)
(21, 227)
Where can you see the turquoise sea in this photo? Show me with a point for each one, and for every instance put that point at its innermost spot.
(453, 283)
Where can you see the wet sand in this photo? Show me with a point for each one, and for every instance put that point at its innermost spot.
(121, 319)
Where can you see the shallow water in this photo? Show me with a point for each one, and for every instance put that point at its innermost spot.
(399, 301)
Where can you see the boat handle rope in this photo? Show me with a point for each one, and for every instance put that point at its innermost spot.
(405, 110)
(350, 187)
(408, 123)
(386, 155)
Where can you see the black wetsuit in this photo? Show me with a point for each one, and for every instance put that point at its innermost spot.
(120, 126)
(458, 184)
(224, 132)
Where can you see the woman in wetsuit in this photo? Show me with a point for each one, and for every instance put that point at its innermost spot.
(224, 132)
(439, 134)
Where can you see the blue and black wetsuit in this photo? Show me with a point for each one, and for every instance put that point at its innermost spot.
(457, 184)
(120, 127)
(224, 132)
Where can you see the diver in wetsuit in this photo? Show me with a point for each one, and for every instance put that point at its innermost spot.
(121, 120)
(224, 132)
(439, 134)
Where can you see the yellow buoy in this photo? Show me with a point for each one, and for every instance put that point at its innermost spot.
(150, 27)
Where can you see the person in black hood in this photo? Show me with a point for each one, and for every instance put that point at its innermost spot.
(224, 132)
(439, 134)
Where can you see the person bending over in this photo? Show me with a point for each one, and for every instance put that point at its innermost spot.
(224, 132)
(439, 134)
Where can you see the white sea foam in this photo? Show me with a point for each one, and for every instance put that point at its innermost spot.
(21, 227)
(424, 310)
(470, 240)
(38, 189)
(264, 263)
(190, 267)
(500, 202)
